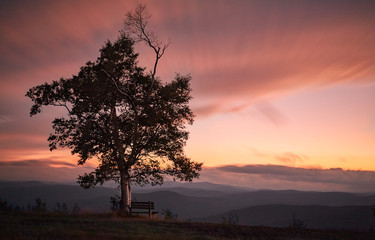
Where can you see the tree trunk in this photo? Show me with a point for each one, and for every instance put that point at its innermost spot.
(125, 201)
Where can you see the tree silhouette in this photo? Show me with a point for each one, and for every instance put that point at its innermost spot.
(39, 206)
(131, 121)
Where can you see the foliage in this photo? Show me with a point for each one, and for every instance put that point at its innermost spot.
(115, 203)
(232, 219)
(131, 121)
(168, 214)
(297, 223)
(61, 208)
(6, 207)
(76, 209)
(40, 206)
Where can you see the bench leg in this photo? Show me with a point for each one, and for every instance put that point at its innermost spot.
(149, 209)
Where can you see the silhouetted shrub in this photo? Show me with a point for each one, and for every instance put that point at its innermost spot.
(115, 203)
(168, 214)
(39, 206)
(297, 223)
(76, 209)
(232, 219)
(6, 207)
(61, 208)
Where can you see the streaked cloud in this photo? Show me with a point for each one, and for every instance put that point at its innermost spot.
(4, 119)
(290, 158)
(42, 162)
(284, 177)
(259, 48)
(41, 170)
(240, 52)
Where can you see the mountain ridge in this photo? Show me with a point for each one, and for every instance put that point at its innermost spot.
(194, 203)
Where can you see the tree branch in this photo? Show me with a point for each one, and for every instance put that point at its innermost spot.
(136, 23)
(114, 81)
(62, 105)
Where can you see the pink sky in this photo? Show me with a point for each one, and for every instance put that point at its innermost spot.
(277, 84)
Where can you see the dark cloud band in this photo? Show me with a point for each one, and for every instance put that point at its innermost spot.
(294, 177)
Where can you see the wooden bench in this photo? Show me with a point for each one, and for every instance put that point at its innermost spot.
(149, 206)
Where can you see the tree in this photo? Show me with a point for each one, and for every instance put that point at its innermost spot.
(76, 209)
(297, 223)
(39, 206)
(61, 208)
(131, 121)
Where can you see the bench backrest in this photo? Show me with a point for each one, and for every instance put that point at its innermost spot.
(142, 205)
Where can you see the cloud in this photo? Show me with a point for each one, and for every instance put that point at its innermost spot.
(42, 170)
(283, 177)
(40, 163)
(254, 49)
(290, 157)
(271, 113)
(4, 119)
(235, 52)
(40, 33)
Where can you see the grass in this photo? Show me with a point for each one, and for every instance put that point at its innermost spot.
(107, 226)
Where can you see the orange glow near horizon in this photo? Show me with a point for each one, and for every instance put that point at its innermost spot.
(329, 139)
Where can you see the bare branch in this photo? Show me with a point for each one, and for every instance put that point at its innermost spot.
(136, 23)
(114, 81)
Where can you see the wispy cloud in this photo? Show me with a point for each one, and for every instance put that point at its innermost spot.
(42, 170)
(271, 113)
(291, 158)
(235, 52)
(265, 49)
(284, 177)
(4, 119)
(36, 163)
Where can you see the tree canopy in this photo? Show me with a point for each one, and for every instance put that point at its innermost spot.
(130, 120)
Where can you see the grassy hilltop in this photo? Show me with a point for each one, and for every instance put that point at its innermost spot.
(33, 210)
(107, 226)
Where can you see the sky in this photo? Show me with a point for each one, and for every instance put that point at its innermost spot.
(283, 91)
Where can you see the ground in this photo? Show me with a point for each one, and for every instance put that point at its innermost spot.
(109, 226)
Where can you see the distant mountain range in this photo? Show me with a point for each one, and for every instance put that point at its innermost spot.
(209, 202)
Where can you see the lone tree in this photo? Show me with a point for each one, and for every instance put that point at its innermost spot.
(129, 120)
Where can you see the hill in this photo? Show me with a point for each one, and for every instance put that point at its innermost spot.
(210, 202)
(192, 200)
(189, 207)
(24, 193)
